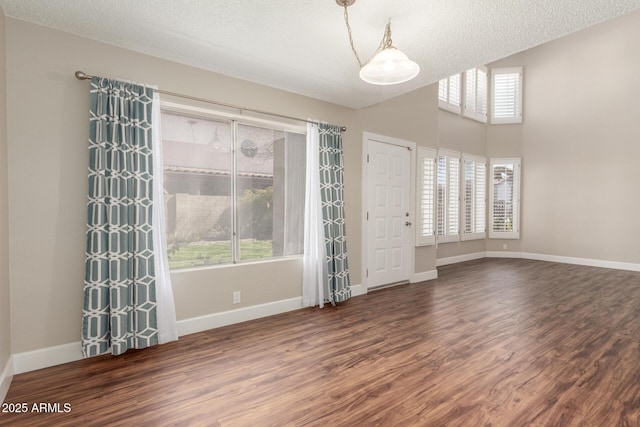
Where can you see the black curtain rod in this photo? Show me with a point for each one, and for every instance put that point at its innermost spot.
(80, 75)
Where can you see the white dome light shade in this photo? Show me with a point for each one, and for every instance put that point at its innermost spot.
(389, 67)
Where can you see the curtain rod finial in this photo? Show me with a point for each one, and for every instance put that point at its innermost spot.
(81, 75)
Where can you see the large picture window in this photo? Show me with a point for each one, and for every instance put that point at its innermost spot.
(233, 191)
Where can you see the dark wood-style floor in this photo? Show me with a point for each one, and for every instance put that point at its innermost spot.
(490, 343)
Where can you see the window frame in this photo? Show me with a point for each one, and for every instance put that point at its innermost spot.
(426, 188)
(518, 95)
(515, 198)
(234, 120)
(478, 209)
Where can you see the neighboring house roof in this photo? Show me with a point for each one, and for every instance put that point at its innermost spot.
(213, 172)
(205, 145)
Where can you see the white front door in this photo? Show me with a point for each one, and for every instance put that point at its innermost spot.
(389, 228)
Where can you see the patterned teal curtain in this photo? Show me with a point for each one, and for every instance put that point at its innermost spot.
(332, 196)
(119, 289)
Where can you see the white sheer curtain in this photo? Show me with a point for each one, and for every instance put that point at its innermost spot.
(294, 193)
(314, 268)
(166, 312)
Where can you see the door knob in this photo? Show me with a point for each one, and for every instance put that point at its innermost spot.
(407, 223)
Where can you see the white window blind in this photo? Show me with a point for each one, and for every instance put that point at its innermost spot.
(443, 90)
(453, 224)
(506, 105)
(449, 93)
(504, 200)
(475, 94)
(441, 201)
(474, 197)
(448, 196)
(480, 215)
(426, 197)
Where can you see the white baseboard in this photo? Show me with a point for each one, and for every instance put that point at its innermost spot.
(45, 357)
(5, 378)
(503, 254)
(583, 261)
(616, 265)
(460, 258)
(57, 355)
(51, 356)
(424, 276)
(357, 290)
(225, 318)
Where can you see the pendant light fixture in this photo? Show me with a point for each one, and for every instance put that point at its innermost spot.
(389, 65)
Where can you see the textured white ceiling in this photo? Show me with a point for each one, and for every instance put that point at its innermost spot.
(302, 45)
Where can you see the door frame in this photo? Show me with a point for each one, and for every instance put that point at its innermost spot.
(411, 146)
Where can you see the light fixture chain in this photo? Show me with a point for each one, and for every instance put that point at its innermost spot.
(384, 43)
(386, 39)
(346, 20)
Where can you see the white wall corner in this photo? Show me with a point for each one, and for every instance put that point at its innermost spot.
(46, 357)
(460, 258)
(424, 276)
(5, 378)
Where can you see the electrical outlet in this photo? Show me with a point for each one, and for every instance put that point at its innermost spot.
(504, 246)
(236, 297)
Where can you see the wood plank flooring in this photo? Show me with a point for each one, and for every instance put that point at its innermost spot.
(491, 342)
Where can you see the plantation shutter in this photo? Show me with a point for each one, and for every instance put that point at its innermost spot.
(475, 95)
(454, 89)
(474, 197)
(481, 199)
(504, 202)
(507, 95)
(482, 94)
(453, 223)
(443, 90)
(426, 196)
(448, 202)
(449, 95)
(442, 196)
(468, 183)
(470, 91)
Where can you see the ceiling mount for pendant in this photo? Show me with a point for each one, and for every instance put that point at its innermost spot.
(389, 65)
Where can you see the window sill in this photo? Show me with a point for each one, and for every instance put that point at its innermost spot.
(238, 264)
